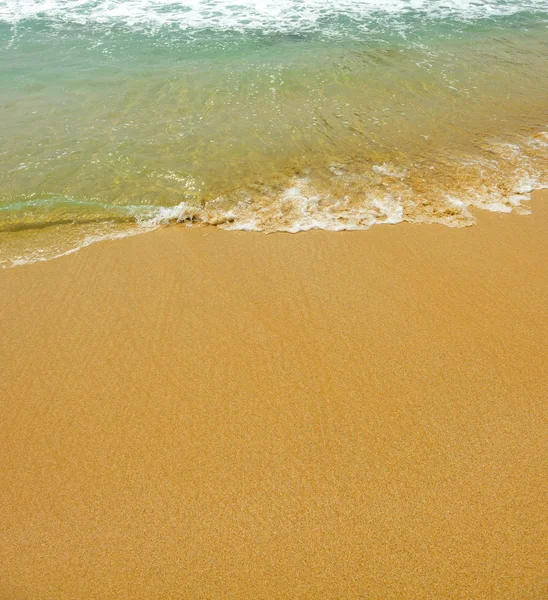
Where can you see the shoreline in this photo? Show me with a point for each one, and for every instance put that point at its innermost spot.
(184, 214)
(197, 413)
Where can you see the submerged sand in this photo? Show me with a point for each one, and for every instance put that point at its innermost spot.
(195, 413)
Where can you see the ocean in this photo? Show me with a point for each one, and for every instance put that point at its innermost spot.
(121, 116)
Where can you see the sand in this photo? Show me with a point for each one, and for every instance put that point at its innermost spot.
(195, 413)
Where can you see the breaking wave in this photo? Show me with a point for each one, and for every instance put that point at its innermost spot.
(337, 198)
(266, 15)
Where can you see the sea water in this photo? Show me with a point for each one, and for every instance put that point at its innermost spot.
(119, 116)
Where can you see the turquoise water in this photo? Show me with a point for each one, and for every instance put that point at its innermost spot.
(121, 116)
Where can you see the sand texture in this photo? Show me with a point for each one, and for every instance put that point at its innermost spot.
(195, 413)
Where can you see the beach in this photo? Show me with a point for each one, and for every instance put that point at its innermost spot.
(198, 413)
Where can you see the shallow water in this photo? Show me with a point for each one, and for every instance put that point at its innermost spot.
(118, 116)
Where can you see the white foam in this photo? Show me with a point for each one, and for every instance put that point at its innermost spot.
(302, 207)
(162, 215)
(240, 15)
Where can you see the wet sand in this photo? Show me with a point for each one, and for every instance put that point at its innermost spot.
(209, 414)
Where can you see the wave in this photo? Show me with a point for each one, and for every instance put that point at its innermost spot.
(348, 197)
(345, 199)
(241, 15)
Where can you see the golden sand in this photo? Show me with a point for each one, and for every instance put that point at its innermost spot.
(195, 413)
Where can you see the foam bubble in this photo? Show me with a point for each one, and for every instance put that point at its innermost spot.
(269, 15)
(303, 206)
(345, 199)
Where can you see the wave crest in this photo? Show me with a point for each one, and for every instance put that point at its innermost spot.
(267, 15)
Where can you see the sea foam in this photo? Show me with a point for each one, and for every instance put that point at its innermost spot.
(267, 15)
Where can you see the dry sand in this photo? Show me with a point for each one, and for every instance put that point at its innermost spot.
(206, 414)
